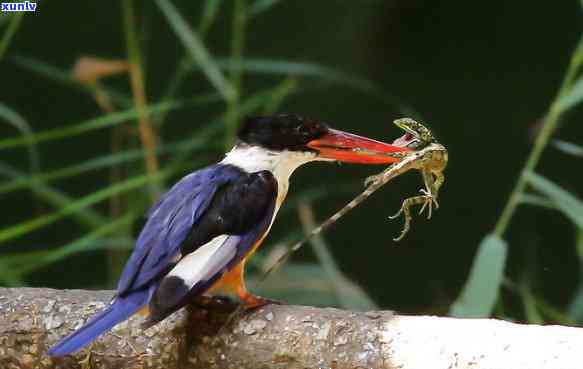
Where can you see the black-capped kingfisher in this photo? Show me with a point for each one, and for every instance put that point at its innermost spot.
(199, 234)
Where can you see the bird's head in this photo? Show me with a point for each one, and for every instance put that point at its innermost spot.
(293, 133)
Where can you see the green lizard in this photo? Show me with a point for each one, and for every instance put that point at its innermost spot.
(429, 157)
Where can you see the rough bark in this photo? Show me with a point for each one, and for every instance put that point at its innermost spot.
(275, 337)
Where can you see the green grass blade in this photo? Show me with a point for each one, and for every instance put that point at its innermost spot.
(350, 294)
(78, 205)
(5, 18)
(88, 217)
(196, 49)
(537, 310)
(21, 180)
(568, 148)
(548, 127)
(530, 305)
(287, 88)
(579, 246)
(210, 11)
(89, 125)
(97, 163)
(11, 280)
(17, 230)
(20, 260)
(302, 283)
(553, 313)
(575, 307)
(480, 293)
(568, 203)
(238, 27)
(64, 77)
(9, 33)
(535, 200)
(573, 97)
(261, 99)
(87, 242)
(18, 122)
(260, 6)
(46, 70)
(23, 263)
(318, 72)
(300, 69)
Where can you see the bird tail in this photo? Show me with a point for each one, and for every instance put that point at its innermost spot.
(119, 310)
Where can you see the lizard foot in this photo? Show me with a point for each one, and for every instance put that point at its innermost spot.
(426, 199)
(428, 203)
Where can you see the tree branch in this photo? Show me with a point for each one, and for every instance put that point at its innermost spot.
(275, 337)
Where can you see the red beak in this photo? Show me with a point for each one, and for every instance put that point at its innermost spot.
(349, 148)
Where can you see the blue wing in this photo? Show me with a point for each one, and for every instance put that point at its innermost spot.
(237, 218)
(169, 223)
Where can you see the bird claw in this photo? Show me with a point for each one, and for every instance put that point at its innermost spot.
(227, 304)
(253, 302)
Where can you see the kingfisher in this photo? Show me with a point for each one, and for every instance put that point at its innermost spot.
(199, 234)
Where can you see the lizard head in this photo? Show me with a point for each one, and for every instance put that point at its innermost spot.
(417, 135)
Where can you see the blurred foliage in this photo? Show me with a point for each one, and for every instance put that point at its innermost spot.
(480, 293)
(144, 157)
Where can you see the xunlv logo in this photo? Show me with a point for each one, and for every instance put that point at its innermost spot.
(26, 6)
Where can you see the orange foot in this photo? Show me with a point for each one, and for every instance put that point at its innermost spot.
(233, 283)
(251, 301)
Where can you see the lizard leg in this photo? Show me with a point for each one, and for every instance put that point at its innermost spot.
(372, 179)
(378, 177)
(439, 178)
(405, 210)
(430, 191)
(433, 183)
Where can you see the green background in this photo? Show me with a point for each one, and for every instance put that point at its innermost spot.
(482, 75)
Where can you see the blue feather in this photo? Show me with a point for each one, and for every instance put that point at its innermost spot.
(168, 225)
(120, 310)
